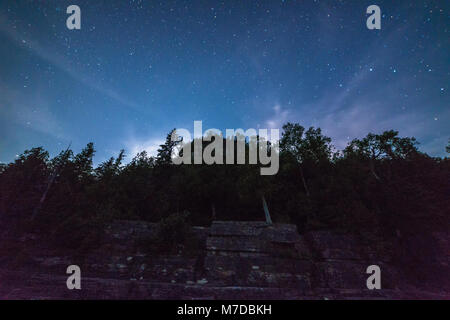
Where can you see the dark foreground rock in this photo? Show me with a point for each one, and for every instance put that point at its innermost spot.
(232, 260)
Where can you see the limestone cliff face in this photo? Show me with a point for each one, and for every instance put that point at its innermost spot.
(233, 260)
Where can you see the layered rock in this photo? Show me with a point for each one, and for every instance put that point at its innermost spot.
(255, 254)
(232, 260)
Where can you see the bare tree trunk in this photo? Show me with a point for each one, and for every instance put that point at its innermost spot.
(266, 210)
(38, 207)
(52, 179)
(372, 169)
(304, 182)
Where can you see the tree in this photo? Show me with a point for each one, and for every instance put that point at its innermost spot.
(111, 167)
(22, 182)
(376, 147)
(166, 150)
(385, 146)
(83, 161)
(51, 179)
(310, 147)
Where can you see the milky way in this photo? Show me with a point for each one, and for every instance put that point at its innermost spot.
(137, 69)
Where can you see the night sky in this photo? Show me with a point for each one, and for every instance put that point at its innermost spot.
(137, 69)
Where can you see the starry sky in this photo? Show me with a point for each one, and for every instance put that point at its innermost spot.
(137, 69)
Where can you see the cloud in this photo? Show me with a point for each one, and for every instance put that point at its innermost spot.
(357, 109)
(280, 116)
(366, 102)
(134, 145)
(30, 112)
(61, 63)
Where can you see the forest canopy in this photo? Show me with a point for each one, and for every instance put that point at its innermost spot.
(379, 185)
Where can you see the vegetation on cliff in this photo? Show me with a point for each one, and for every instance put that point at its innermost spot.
(379, 186)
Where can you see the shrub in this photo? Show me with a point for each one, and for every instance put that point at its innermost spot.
(174, 230)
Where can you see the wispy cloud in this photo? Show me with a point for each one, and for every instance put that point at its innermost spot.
(59, 61)
(280, 116)
(357, 106)
(30, 112)
(355, 113)
(134, 145)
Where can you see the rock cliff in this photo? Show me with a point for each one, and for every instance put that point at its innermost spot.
(231, 260)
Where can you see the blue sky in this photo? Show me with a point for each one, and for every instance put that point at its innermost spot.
(137, 69)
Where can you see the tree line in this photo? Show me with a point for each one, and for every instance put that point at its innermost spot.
(378, 186)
